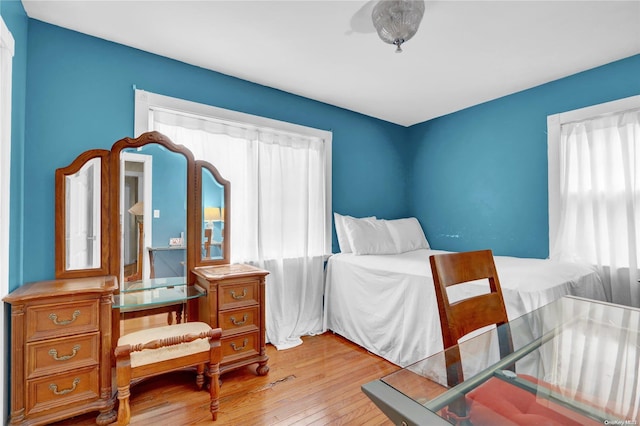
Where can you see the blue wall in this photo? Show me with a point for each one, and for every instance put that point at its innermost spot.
(16, 20)
(169, 193)
(170, 199)
(475, 178)
(479, 176)
(80, 96)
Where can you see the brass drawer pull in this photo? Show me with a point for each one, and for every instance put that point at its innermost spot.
(54, 318)
(245, 342)
(236, 322)
(239, 297)
(54, 354)
(55, 390)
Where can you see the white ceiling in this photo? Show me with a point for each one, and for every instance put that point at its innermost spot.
(465, 52)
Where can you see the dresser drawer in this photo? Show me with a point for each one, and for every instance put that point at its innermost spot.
(62, 319)
(63, 354)
(55, 392)
(238, 293)
(239, 346)
(239, 320)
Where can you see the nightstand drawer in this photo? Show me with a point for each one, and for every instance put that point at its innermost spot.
(239, 346)
(61, 355)
(54, 392)
(239, 320)
(237, 294)
(62, 319)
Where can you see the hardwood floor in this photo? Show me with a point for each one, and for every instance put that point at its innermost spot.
(316, 383)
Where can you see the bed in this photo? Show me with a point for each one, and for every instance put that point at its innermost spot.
(386, 302)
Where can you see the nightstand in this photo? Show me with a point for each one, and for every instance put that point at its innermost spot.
(235, 302)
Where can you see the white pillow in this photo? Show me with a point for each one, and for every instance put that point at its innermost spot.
(407, 234)
(343, 239)
(369, 236)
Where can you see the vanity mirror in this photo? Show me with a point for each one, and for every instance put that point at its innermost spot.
(212, 224)
(153, 208)
(167, 175)
(82, 202)
(144, 209)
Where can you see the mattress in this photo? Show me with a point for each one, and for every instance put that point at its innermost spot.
(387, 304)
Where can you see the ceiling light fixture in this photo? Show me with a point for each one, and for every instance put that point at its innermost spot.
(396, 21)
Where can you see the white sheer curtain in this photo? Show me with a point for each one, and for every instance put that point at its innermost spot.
(600, 200)
(278, 198)
(609, 344)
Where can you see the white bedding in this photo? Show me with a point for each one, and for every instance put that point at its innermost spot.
(386, 303)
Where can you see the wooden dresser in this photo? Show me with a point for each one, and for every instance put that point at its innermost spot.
(235, 302)
(61, 350)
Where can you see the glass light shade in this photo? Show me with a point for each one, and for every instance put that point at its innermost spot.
(396, 21)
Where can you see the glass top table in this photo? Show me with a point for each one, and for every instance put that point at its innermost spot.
(155, 292)
(574, 361)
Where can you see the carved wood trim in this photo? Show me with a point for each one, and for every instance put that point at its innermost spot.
(125, 350)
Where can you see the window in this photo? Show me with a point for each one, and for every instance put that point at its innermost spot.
(594, 192)
(280, 176)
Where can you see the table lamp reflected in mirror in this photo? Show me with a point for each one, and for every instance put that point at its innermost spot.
(137, 210)
(212, 215)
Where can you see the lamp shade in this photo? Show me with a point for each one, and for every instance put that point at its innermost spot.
(213, 213)
(137, 209)
(396, 21)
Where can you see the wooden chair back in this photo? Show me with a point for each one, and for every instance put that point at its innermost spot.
(464, 316)
(460, 318)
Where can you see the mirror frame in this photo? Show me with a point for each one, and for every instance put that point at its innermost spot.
(61, 213)
(200, 166)
(114, 213)
(110, 225)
